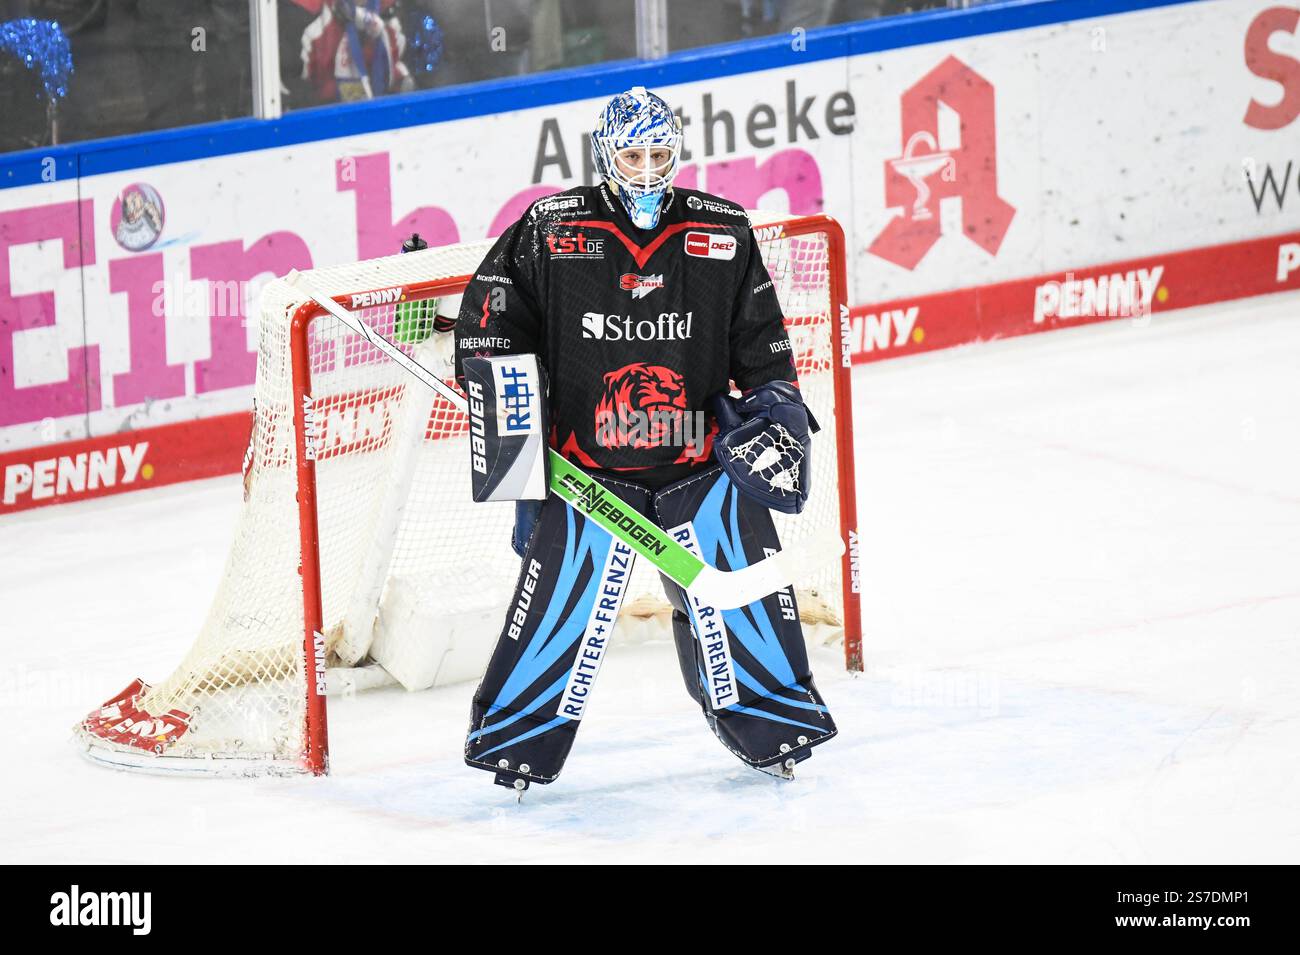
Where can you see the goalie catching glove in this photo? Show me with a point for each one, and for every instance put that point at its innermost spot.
(764, 444)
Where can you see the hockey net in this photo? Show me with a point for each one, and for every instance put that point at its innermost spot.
(358, 540)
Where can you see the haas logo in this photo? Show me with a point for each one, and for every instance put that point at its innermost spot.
(640, 406)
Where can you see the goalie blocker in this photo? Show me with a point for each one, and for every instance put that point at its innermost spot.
(508, 428)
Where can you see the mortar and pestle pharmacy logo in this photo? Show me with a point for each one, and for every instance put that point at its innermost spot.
(137, 217)
(917, 167)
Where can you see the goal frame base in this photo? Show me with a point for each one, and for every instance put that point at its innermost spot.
(97, 751)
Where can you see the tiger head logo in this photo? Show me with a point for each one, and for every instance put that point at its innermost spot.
(641, 407)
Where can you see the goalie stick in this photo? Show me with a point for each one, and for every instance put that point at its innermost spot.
(723, 589)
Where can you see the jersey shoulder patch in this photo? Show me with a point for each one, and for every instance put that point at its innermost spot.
(573, 203)
(704, 206)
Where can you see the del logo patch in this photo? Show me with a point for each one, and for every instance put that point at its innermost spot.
(711, 245)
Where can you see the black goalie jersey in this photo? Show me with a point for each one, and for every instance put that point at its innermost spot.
(636, 328)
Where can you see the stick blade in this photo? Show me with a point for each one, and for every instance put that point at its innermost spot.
(727, 590)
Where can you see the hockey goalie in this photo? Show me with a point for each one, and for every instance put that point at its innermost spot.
(643, 305)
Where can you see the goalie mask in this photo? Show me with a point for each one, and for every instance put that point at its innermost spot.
(637, 148)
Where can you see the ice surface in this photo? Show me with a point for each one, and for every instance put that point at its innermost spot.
(1081, 565)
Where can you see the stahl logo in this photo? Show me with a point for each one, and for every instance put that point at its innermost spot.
(668, 327)
(929, 171)
(576, 246)
(710, 245)
(640, 285)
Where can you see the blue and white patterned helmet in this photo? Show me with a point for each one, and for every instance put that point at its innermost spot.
(640, 128)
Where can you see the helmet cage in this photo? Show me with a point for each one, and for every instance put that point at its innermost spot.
(647, 179)
(638, 121)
